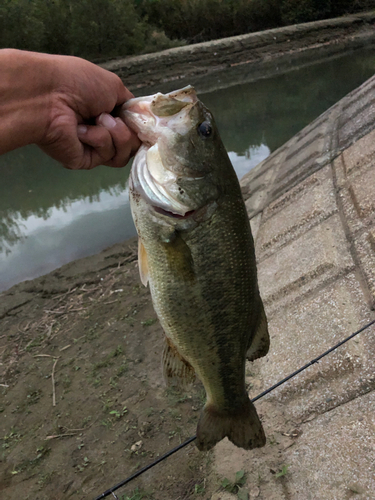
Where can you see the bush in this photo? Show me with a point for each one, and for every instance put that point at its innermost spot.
(95, 29)
(101, 29)
(105, 27)
(21, 25)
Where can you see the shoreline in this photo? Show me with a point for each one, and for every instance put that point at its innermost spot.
(269, 51)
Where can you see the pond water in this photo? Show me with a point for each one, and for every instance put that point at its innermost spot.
(50, 216)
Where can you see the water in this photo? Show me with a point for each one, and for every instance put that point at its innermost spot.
(50, 216)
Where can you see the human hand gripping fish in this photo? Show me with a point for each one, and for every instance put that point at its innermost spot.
(197, 253)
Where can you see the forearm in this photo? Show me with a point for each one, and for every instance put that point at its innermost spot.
(25, 88)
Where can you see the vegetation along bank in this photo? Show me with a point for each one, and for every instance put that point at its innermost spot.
(103, 29)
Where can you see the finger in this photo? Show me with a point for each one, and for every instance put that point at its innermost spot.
(100, 147)
(70, 153)
(126, 143)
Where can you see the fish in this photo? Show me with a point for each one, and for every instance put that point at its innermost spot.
(196, 252)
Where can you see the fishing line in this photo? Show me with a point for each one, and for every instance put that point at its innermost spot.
(267, 391)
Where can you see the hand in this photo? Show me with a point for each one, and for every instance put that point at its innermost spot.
(63, 105)
(84, 91)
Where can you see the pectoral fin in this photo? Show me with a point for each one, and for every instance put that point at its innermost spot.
(177, 370)
(260, 342)
(179, 257)
(142, 262)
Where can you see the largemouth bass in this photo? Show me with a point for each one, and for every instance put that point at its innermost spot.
(197, 253)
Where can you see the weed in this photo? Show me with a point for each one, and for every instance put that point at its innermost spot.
(107, 404)
(33, 397)
(106, 423)
(239, 481)
(149, 322)
(175, 414)
(92, 333)
(242, 494)
(199, 489)
(108, 360)
(136, 494)
(66, 382)
(272, 440)
(12, 438)
(283, 471)
(118, 414)
(86, 420)
(42, 452)
(83, 465)
(34, 343)
(149, 412)
(175, 396)
(45, 479)
(122, 369)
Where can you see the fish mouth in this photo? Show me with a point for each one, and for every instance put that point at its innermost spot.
(173, 215)
(146, 115)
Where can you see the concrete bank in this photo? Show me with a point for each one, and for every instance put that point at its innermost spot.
(312, 209)
(264, 53)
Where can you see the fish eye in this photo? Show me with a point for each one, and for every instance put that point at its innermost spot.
(205, 130)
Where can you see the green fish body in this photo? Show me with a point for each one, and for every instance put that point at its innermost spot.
(197, 253)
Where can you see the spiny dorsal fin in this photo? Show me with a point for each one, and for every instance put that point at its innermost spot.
(142, 262)
(177, 370)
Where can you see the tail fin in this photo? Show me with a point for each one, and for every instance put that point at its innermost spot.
(242, 427)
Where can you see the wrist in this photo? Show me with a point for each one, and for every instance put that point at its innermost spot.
(25, 92)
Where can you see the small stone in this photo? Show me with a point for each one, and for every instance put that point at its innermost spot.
(136, 446)
(254, 492)
(356, 488)
(223, 495)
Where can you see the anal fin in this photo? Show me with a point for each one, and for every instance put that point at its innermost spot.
(260, 343)
(177, 370)
(142, 262)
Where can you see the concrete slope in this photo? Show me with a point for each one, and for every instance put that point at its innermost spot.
(311, 205)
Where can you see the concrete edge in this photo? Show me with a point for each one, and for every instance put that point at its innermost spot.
(250, 40)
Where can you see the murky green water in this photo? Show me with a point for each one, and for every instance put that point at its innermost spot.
(50, 216)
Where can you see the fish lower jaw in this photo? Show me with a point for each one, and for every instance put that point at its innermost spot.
(174, 215)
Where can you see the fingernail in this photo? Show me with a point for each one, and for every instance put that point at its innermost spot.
(81, 129)
(107, 120)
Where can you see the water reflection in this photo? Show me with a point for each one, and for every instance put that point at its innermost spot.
(50, 216)
(84, 228)
(242, 163)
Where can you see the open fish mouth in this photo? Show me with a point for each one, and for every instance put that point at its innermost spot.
(159, 118)
(147, 115)
(188, 214)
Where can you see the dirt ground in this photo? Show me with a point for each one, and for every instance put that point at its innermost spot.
(83, 404)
